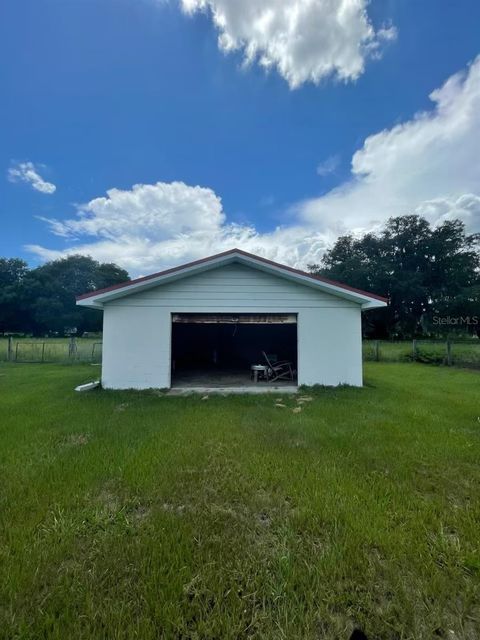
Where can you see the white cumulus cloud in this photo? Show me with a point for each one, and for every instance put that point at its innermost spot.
(153, 226)
(429, 165)
(28, 173)
(305, 40)
(157, 210)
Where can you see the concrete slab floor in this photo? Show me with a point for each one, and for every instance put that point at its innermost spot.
(256, 389)
(226, 382)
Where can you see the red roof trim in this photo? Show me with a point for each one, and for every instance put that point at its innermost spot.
(152, 276)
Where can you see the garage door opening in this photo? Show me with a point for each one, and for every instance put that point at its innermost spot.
(222, 350)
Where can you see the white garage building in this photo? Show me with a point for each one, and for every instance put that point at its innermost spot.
(207, 322)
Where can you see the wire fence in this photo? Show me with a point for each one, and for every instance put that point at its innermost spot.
(64, 350)
(52, 350)
(443, 352)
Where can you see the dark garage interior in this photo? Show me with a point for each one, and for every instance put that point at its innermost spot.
(220, 349)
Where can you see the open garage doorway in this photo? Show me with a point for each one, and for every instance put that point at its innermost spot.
(227, 350)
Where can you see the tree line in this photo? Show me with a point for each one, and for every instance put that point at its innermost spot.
(431, 276)
(41, 301)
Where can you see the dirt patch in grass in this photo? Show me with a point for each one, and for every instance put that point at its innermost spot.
(108, 500)
(113, 502)
(178, 509)
(76, 440)
(139, 513)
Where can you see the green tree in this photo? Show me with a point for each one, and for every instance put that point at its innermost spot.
(12, 274)
(49, 292)
(425, 272)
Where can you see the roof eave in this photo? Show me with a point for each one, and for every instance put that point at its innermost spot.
(90, 302)
(374, 304)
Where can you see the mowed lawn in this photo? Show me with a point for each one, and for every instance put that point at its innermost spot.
(137, 515)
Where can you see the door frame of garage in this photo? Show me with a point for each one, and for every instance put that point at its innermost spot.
(177, 317)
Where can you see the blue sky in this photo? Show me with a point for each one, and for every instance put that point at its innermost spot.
(102, 95)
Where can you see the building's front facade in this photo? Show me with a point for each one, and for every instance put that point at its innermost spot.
(223, 312)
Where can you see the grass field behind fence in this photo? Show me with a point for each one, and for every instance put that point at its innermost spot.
(139, 515)
(52, 350)
(464, 353)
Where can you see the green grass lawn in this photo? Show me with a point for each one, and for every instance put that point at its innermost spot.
(135, 515)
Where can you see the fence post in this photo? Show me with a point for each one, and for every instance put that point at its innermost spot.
(43, 351)
(449, 353)
(72, 347)
(414, 349)
(16, 351)
(10, 349)
(376, 351)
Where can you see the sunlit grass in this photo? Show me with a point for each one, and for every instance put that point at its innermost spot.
(138, 515)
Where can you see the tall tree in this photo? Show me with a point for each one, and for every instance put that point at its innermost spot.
(49, 292)
(12, 274)
(42, 300)
(425, 272)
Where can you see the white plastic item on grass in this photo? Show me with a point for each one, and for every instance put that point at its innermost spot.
(88, 386)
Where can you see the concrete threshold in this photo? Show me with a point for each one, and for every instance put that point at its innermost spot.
(181, 391)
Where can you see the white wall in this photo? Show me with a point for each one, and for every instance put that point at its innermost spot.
(136, 348)
(330, 346)
(137, 328)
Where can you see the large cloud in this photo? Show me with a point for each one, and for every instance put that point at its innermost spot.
(429, 165)
(157, 210)
(152, 226)
(305, 40)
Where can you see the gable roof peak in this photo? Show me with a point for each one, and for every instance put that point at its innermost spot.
(96, 298)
